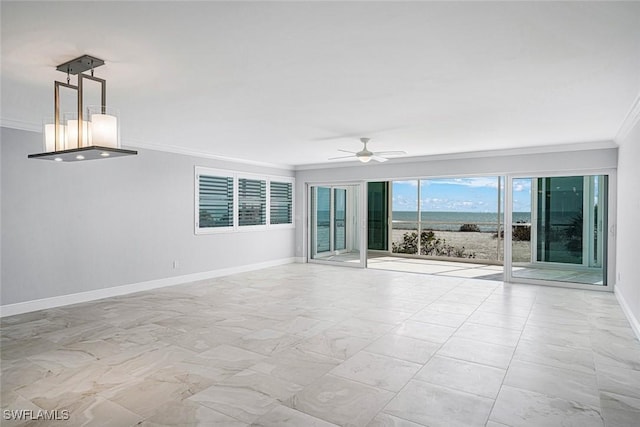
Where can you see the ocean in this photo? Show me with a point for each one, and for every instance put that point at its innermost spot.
(451, 221)
(443, 221)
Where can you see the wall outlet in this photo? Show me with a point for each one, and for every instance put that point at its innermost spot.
(175, 264)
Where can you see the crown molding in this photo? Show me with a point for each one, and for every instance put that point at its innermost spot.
(630, 121)
(20, 125)
(31, 127)
(538, 149)
(204, 154)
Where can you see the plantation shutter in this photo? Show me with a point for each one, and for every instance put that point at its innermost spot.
(215, 201)
(252, 202)
(281, 202)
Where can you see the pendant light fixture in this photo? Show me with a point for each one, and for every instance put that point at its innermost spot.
(87, 133)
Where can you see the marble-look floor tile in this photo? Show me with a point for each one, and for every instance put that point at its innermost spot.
(436, 406)
(424, 331)
(267, 341)
(489, 354)
(145, 396)
(271, 386)
(240, 403)
(619, 381)
(620, 410)
(296, 366)
(384, 315)
(614, 350)
(523, 408)
(199, 341)
(465, 376)
(498, 320)
(188, 413)
(340, 401)
(554, 382)
(283, 416)
(376, 370)
(439, 318)
(71, 385)
(335, 344)
(405, 348)
(575, 359)
(386, 420)
(367, 329)
(226, 358)
(453, 307)
(489, 334)
(142, 356)
(304, 327)
(557, 336)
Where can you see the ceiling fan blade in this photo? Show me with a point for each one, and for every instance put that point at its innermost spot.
(346, 151)
(390, 153)
(378, 158)
(341, 157)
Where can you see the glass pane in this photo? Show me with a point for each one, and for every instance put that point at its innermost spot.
(378, 210)
(558, 225)
(404, 217)
(323, 219)
(560, 220)
(461, 217)
(215, 201)
(340, 217)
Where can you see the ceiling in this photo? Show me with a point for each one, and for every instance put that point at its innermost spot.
(290, 83)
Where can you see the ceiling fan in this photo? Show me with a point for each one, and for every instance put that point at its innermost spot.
(365, 155)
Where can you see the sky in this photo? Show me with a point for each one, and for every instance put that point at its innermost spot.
(478, 194)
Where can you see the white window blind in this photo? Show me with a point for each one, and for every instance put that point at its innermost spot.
(252, 202)
(281, 200)
(215, 201)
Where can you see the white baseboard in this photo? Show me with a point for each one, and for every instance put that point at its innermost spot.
(62, 300)
(633, 320)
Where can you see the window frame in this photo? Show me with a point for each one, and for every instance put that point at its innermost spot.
(236, 176)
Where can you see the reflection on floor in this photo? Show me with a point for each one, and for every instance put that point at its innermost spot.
(353, 257)
(590, 277)
(318, 345)
(437, 267)
(480, 271)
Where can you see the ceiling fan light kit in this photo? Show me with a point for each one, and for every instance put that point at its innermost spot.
(365, 156)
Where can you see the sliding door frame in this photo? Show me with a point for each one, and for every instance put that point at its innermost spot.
(361, 217)
(609, 255)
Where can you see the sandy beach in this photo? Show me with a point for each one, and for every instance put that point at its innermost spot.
(485, 245)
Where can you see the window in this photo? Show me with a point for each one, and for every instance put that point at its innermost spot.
(228, 201)
(281, 198)
(252, 202)
(215, 201)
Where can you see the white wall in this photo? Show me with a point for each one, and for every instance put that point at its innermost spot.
(628, 249)
(87, 226)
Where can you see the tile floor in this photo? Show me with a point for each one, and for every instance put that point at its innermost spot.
(312, 345)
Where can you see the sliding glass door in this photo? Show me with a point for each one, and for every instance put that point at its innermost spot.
(334, 229)
(559, 228)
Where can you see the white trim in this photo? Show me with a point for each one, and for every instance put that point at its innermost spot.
(20, 125)
(538, 149)
(635, 324)
(62, 300)
(205, 155)
(630, 120)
